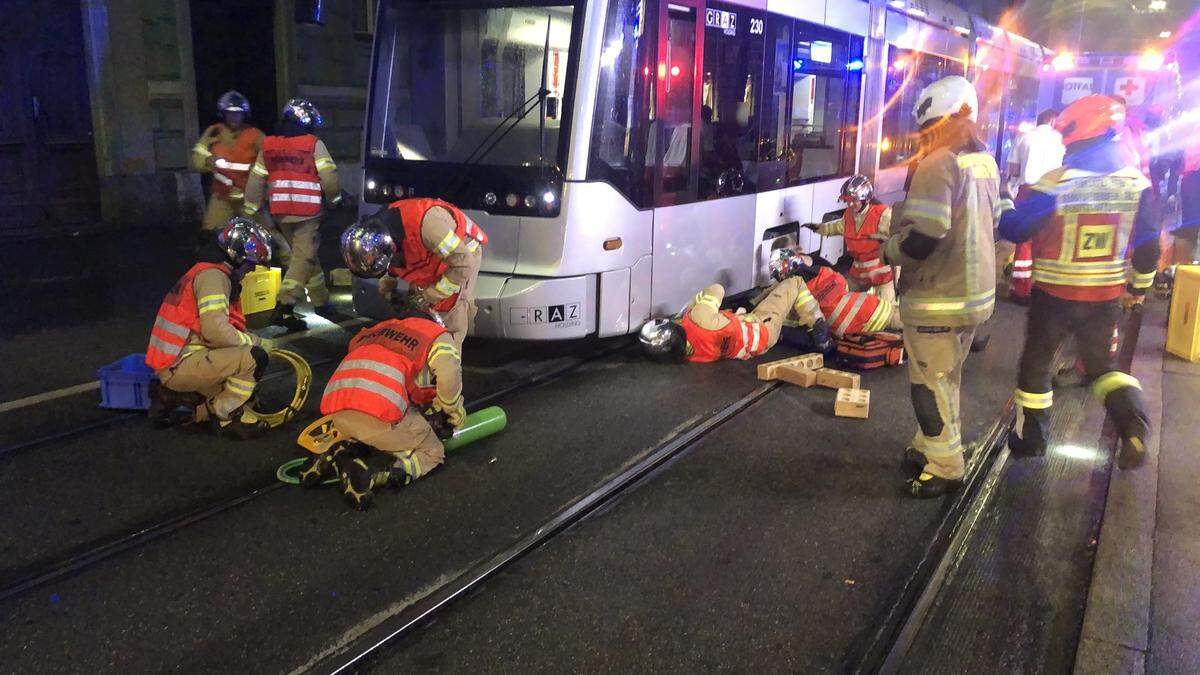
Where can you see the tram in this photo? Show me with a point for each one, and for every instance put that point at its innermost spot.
(622, 154)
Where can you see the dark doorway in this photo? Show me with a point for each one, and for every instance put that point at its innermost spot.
(48, 179)
(233, 44)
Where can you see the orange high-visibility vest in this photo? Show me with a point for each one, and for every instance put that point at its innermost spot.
(379, 374)
(846, 312)
(232, 162)
(294, 184)
(423, 267)
(868, 268)
(737, 340)
(178, 317)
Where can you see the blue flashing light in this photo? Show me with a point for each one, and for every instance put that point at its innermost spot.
(797, 64)
(855, 65)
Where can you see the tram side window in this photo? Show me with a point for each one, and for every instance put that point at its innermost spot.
(1020, 114)
(618, 144)
(773, 111)
(908, 73)
(826, 85)
(733, 69)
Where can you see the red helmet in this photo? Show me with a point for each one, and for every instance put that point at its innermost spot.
(1090, 117)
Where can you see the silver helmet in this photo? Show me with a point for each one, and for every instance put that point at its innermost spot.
(233, 101)
(663, 340)
(783, 263)
(857, 187)
(368, 248)
(244, 242)
(302, 112)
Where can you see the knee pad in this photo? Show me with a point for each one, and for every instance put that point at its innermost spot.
(261, 359)
(925, 405)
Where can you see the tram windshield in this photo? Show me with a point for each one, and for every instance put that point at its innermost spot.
(447, 74)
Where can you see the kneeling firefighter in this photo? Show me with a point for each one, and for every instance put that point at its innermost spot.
(1081, 219)
(429, 243)
(199, 346)
(864, 225)
(847, 312)
(706, 333)
(377, 400)
(942, 238)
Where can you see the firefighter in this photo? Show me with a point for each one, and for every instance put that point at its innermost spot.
(199, 347)
(846, 312)
(430, 244)
(395, 373)
(864, 224)
(705, 333)
(226, 149)
(1081, 219)
(942, 237)
(295, 170)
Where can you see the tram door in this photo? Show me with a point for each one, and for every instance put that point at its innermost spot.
(674, 110)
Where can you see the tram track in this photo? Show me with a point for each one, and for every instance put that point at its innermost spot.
(38, 574)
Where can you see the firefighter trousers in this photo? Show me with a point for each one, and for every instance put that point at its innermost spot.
(935, 361)
(411, 441)
(219, 210)
(226, 377)
(1051, 321)
(778, 304)
(304, 275)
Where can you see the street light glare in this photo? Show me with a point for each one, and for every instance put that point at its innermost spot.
(1158, 5)
(1165, 34)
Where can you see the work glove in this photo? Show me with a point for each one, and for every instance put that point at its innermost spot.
(818, 333)
(387, 285)
(454, 411)
(1131, 301)
(267, 344)
(879, 237)
(811, 226)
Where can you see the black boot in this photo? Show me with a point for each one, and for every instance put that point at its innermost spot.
(980, 342)
(912, 462)
(243, 424)
(286, 316)
(929, 486)
(170, 408)
(319, 468)
(361, 473)
(1132, 453)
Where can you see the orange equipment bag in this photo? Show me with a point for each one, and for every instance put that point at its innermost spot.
(867, 351)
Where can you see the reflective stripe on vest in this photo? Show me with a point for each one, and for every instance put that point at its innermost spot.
(179, 317)
(844, 314)
(367, 382)
(232, 161)
(424, 268)
(294, 185)
(754, 340)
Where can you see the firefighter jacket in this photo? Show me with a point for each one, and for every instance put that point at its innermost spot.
(1083, 219)
(943, 240)
(198, 313)
(232, 154)
(392, 365)
(438, 241)
(296, 172)
(856, 229)
(847, 312)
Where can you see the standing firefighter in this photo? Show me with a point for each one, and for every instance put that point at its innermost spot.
(227, 149)
(944, 243)
(432, 245)
(199, 344)
(864, 224)
(1082, 218)
(395, 372)
(295, 170)
(706, 333)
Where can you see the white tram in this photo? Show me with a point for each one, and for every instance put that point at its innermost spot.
(622, 154)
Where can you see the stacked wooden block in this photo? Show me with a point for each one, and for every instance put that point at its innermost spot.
(809, 369)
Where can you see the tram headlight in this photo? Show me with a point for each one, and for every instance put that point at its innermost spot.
(1063, 61)
(548, 197)
(398, 190)
(511, 200)
(371, 185)
(489, 199)
(385, 190)
(530, 202)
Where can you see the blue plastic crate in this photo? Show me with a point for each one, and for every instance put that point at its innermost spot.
(125, 384)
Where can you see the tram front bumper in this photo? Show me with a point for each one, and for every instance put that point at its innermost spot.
(513, 307)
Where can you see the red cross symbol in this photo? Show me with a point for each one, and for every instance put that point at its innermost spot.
(1129, 88)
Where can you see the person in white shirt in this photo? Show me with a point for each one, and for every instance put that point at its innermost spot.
(1037, 152)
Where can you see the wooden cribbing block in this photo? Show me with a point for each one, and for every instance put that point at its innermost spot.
(838, 379)
(801, 377)
(766, 371)
(852, 403)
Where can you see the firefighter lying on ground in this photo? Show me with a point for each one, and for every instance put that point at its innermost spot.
(199, 347)
(864, 225)
(398, 376)
(1081, 219)
(296, 173)
(704, 332)
(430, 244)
(846, 312)
(227, 149)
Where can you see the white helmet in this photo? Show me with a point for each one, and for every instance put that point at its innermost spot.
(948, 96)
